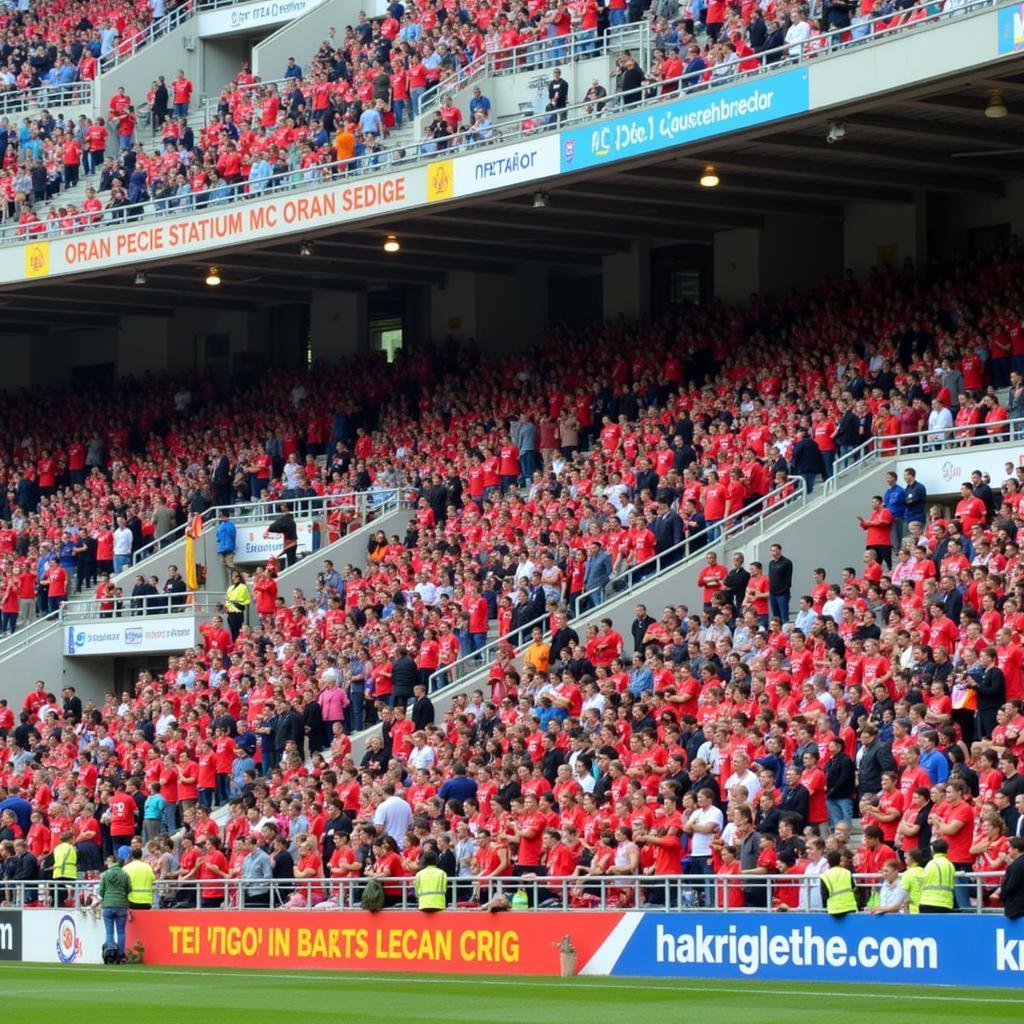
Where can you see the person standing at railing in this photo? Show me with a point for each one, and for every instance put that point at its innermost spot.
(181, 89)
(115, 887)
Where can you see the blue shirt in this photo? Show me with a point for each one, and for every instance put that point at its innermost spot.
(225, 537)
(894, 500)
(154, 808)
(641, 681)
(936, 765)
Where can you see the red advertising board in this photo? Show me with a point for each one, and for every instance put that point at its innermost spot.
(469, 942)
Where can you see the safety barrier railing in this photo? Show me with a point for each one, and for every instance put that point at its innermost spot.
(537, 55)
(770, 62)
(120, 606)
(46, 97)
(789, 494)
(921, 442)
(724, 893)
(362, 505)
(125, 48)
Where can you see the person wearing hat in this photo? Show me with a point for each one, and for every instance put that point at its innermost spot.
(115, 889)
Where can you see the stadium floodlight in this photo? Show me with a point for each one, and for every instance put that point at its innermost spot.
(213, 277)
(140, 278)
(996, 105)
(709, 178)
(540, 200)
(391, 244)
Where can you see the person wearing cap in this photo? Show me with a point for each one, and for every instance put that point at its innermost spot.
(115, 888)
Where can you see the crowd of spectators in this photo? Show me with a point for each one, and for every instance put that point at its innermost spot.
(333, 115)
(719, 737)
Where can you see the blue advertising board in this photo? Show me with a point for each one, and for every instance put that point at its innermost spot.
(923, 949)
(697, 116)
(1011, 29)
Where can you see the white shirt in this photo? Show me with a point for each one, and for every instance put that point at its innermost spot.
(427, 592)
(834, 609)
(799, 32)
(939, 420)
(396, 817)
(810, 892)
(701, 846)
(123, 541)
(421, 757)
(891, 894)
(747, 779)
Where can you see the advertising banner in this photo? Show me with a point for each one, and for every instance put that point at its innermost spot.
(489, 169)
(211, 227)
(694, 117)
(944, 472)
(246, 17)
(138, 635)
(10, 935)
(923, 949)
(478, 943)
(62, 937)
(1011, 29)
(251, 546)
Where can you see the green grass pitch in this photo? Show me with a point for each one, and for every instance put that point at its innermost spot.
(139, 995)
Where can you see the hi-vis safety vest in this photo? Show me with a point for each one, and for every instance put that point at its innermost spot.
(912, 881)
(142, 878)
(938, 883)
(431, 886)
(839, 885)
(65, 861)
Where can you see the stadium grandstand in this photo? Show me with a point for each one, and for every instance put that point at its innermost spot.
(561, 458)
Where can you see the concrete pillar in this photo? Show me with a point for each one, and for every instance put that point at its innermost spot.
(505, 313)
(338, 324)
(737, 264)
(626, 282)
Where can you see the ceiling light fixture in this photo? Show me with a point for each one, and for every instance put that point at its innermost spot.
(306, 249)
(140, 278)
(540, 200)
(391, 244)
(996, 105)
(709, 179)
(213, 277)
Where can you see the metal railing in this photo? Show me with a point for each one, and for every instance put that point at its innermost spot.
(587, 111)
(123, 49)
(537, 55)
(95, 609)
(46, 97)
(726, 893)
(922, 442)
(792, 493)
(364, 506)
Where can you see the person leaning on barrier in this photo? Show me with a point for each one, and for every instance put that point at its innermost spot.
(430, 884)
(143, 879)
(837, 887)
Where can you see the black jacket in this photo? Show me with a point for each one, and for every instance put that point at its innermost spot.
(639, 631)
(421, 713)
(780, 576)
(795, 801)
(668, 531)
(404, 676)
(992, 690)
(875, 759)
(839, 777)
(288, 727)
(1012, 890)
(560, 641)
(806, 459)
(736, 583)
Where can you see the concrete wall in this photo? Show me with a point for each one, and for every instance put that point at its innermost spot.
(302, 37)
(797, 252)
(219, 61)
(626, 282)
(163, 57)
(877, 233)
(951, 218)
(737, 264)
(338, 325)
(505, 312)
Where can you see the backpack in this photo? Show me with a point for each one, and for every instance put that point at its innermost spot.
(373, 896)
